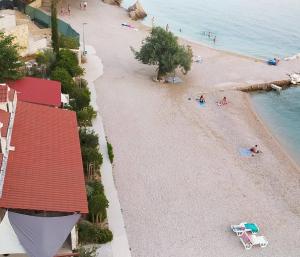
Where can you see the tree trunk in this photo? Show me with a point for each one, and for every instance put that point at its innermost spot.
(160, 74)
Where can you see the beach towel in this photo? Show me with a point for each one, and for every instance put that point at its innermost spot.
(245, 152)
(201, 104)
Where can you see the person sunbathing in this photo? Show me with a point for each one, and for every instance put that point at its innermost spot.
(201, 99)
(223, 101)
(254, 149)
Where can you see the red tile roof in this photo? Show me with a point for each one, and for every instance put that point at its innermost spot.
(3, 93)
(45, 170)
(40, 91)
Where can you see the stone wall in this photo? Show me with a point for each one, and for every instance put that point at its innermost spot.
(21, 33)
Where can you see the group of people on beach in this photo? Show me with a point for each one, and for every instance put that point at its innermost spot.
(210, 35)
(254, 149)
(224, 101)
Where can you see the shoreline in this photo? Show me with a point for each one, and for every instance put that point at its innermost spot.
(177, 169)
(275, 138)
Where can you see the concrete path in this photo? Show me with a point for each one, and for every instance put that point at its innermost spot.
(119, 247)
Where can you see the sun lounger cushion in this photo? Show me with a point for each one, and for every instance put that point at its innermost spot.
(252, 227)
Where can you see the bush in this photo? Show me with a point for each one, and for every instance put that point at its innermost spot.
(81, 98)
(110, 152)
(46, 58)
(62, 75)
(87, 251)
(91, 156)
(88, 138)
(68, 60)
(103, 236)
(85, 116)
(90, 233)
(68, 42)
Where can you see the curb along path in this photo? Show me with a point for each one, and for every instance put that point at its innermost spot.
(119, 246)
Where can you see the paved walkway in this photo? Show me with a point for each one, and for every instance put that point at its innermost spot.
(119, 247)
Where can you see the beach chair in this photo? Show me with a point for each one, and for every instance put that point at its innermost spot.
(249, 240)
(245, 226)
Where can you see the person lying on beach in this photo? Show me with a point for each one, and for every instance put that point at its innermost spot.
(201, 99)
(223, 101)
(254, 149)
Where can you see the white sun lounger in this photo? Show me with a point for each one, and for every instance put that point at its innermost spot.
(249, 240)
(245, 226)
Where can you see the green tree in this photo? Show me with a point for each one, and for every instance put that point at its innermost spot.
(54, 27)
(68, 60)
(161, 48)
(46, 58)
(68, 42)
(81, 98)
(85, 116)
(97, 207)
(67, 82)
(88, 138)
(91, 156)
(10, 63)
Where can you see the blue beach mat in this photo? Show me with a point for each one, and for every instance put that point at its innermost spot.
(244, 152)
(201, 104)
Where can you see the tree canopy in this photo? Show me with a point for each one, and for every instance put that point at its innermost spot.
(161, 48)
(10, 63)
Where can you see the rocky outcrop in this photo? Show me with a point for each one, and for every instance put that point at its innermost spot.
(136, 11)
(113, 2)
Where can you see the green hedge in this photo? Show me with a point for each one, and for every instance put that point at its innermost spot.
(110, 152)
(91, 234)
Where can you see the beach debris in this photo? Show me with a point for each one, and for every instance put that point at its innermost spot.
(113, 2)
(136, 11)
(295, 78)
(174, 80)
(277, 88)
(198, 59)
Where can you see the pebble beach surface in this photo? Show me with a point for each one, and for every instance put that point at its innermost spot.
(178, 172)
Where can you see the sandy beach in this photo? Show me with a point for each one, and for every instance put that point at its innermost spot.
(179, 175)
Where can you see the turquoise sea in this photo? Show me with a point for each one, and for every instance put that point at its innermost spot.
(281, 112)
(259, 28)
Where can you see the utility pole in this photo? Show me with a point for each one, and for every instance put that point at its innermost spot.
(83, 38)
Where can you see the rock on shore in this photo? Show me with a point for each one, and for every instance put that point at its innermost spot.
(136, 11)
(113, 2)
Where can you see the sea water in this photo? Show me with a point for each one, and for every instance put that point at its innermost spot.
(281, 112)
(258, 28)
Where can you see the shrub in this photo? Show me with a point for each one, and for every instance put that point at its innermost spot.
(68, 60)
(85, 116)
(88, 138)
(46, 58)
(62, 75)
(87, 251)
(110, 152)
(81, 98)
(103, 236)
(91, 156)
(68, 42)
(91, 233)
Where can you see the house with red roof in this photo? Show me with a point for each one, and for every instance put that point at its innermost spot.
(39, 91)
(40, 158)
